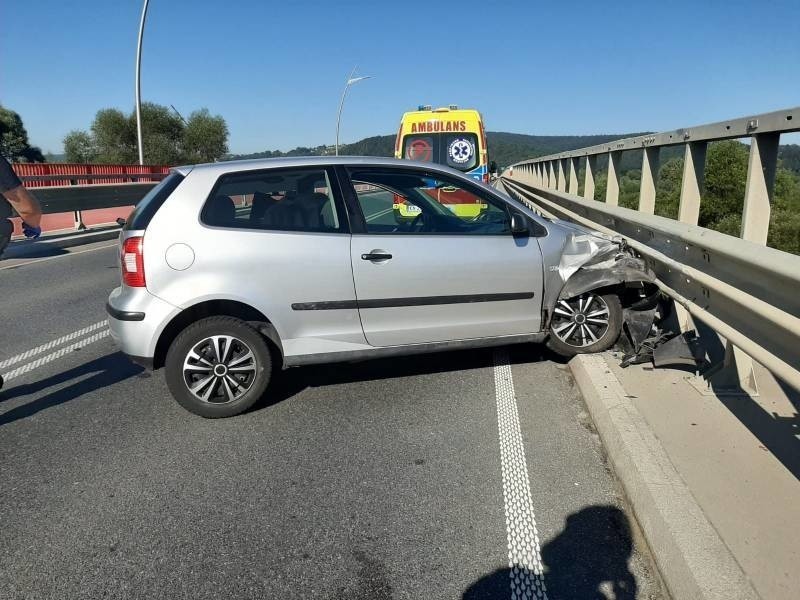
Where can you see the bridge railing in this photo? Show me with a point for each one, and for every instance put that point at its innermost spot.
(748, 293)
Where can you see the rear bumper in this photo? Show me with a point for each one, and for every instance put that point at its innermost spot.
(136, 319)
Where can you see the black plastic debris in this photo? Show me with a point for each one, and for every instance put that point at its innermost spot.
(683, 349)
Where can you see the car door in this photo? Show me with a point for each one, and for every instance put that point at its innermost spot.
(436, 260)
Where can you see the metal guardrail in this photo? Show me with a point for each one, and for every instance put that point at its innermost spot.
(64, 187)
(748, 293)
(88, 197)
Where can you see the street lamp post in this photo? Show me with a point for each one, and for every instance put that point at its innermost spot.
(350, 81)
(139, 83)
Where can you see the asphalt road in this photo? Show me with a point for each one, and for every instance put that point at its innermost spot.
(383, 479)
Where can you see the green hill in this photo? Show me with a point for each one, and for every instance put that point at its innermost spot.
(508, 148)
(504, 148)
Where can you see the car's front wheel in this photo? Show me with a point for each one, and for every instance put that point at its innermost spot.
(586, 323)
(218, 367)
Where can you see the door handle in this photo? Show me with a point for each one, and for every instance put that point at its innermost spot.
(376, 255)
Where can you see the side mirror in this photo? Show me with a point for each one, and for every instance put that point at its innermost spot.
(519, 225)
(120, 221)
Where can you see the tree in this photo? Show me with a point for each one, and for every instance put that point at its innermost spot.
(668, 188)
(166, 138)
(114, 137)
(205, 137)
(79, 147)
(162, 133)
(14, 143)
(725, 177)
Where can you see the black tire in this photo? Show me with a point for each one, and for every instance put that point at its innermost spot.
(229, 392)
(604, 341)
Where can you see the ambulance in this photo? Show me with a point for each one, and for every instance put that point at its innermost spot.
(449, 136)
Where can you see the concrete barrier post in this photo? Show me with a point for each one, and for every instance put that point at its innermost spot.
(573, 176)
(647, 190)
(588, 177)
(562, 174)
(612, 184)
(758, 191)
(694, 164)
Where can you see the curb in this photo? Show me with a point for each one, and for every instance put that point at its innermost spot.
(44, 245)
(694, 562)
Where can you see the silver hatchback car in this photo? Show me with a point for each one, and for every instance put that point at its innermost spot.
(232, 270)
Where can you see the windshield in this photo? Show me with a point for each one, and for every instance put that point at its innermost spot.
(456, 150)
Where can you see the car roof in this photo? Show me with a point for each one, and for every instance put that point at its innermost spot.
(220, 168)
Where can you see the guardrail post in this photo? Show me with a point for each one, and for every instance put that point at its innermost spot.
(694, 164)
(612, 184)
(736, 371)
(573, 176)
(647, 190)
(588, 177)
(553, 175)
(562, 175)
(78, 218)
(537, 172)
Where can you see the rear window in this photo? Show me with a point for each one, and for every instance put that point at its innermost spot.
(148, 206)
(456, 150)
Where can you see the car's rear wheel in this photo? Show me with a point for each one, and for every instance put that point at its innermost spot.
(586, 323)
(218, 367)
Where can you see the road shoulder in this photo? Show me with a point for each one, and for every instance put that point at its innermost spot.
(694, 562)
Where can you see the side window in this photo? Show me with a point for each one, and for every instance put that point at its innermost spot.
(415, 202)
(274, 200)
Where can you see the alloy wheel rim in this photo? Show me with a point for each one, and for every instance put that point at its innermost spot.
(219, 369)
(580, 321)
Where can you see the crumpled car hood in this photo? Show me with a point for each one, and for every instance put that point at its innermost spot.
(585, 246)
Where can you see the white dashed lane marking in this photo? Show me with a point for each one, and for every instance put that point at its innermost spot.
(524, 554)
(35, 364)
(50, 345)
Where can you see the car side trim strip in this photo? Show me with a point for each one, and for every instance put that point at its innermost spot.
(390, 351)
(411, 301)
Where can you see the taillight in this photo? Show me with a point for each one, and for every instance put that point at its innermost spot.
(133, 262)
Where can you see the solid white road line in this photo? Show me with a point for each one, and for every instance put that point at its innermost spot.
(524, 554)
(53, 356)
(50, 345)
(38, 260)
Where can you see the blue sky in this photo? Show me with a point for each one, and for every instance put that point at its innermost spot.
(275, 70)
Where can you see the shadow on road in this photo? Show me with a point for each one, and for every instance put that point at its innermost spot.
(291, 382)
(588, 560)
(105, 371)
(25, 250)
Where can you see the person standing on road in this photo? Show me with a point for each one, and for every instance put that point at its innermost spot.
(14, 194)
